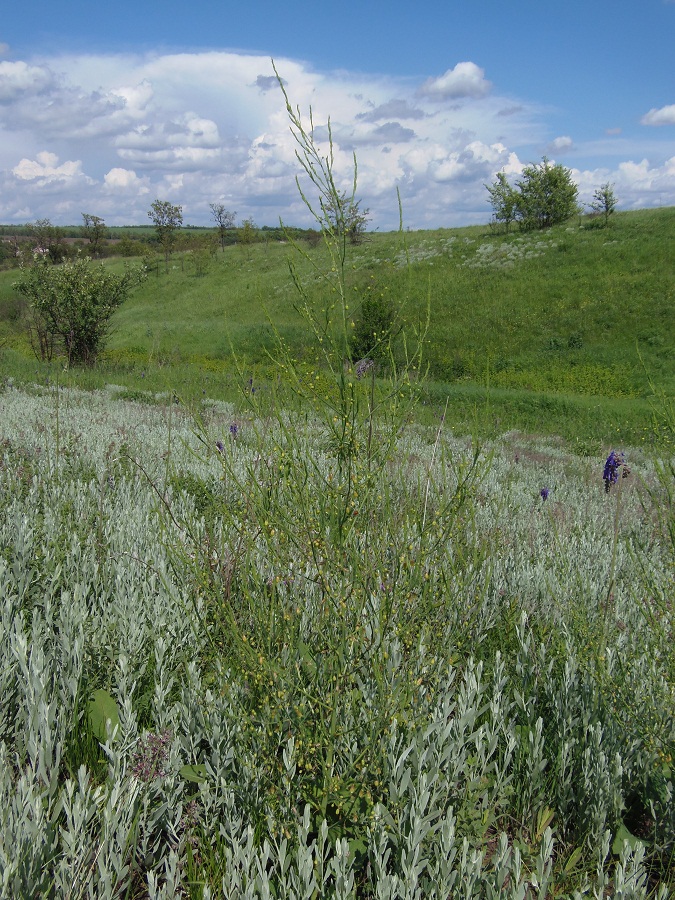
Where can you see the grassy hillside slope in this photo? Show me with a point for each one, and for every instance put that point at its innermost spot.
(567, 327)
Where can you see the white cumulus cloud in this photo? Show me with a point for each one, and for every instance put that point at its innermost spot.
(663, 116)
(637, 185)
(18, 79)
(108, 133)
(121, 180)
(561, 144)
(136, 97)
(465, 80)
(46, 166)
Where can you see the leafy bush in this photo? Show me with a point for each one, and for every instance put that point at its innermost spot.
(71, 306)
(127, 246)
(544, 196)
(373, 327)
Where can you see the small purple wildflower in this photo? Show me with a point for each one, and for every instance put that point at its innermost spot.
(610, 473)
(364, 366)
(189, 820)
(544, 492)
(220, 446)
(150, 758)
(234, 429)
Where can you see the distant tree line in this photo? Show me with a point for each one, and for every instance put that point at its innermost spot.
(22, 245)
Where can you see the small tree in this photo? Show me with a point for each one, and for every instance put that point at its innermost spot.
(95, 232)
(546, 195)
(345, 218)
(72, 305)
(47, 240)
(167, 219)
(224, 219)
(503, 199)
(248, 232)
(604, 201)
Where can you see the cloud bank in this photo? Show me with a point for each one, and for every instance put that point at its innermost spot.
(108, 134)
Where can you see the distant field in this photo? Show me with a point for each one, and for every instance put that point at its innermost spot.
(560, 331)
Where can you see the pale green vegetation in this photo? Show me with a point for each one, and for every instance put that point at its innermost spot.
(424, 679)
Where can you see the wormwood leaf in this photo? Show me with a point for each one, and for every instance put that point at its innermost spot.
(102, 708)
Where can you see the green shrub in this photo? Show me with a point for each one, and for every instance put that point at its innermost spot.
(71, 306)
(373, 328)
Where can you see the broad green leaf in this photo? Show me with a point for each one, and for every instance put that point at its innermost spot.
(357, 847)
(102, 708)
(623, 834)
(196, 773)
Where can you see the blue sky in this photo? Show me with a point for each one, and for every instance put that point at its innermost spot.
(103, 110)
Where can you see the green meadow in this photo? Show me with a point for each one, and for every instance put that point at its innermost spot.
(565, 331)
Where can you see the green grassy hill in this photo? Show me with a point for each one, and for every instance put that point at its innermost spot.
(565, 326)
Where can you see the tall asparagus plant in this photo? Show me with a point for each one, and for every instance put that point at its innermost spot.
(350, 398)
(320, 586)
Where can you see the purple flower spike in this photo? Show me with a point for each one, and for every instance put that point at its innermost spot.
(234, 429)
(610, 473)
(364, 366)
(149, 761)
(220, 446)
(544, 492)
